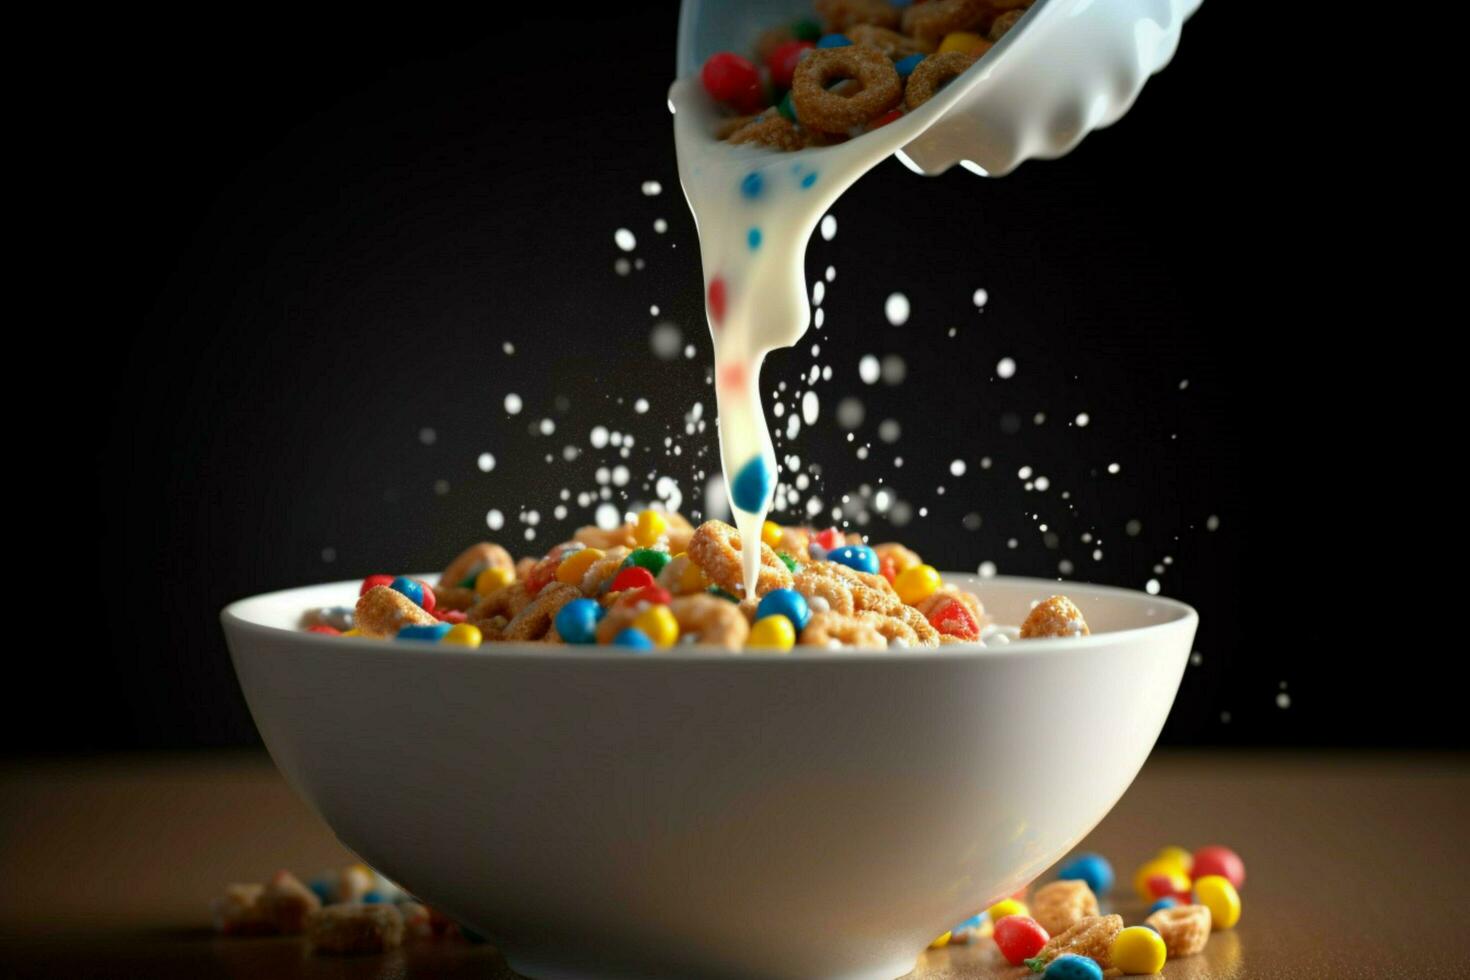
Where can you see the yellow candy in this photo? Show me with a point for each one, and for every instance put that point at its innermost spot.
(963, 41)
(463, 635)
(651, 526)
(575, 565)
(1138, 950)
(691, 578)
(493, 580)
(942, 941)
(1157, 866)
(1182, 860)
(771, 534)
(1217, 894)
(772, 633)
(658, 624)
(351, 632)
(1005, 907)
(916, 584)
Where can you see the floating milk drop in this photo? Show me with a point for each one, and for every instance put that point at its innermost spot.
(625, 240)
(896, 308)
(513, 404)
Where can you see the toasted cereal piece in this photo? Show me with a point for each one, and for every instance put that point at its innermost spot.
(710, 620)
(903, 557)
(795, 543)
(595, 537)
(1004, 23)
(602, 571)
(353, 882)
(454, 597)
(619, 616)
(382, 612)
(505, 603)
(827, 629)
(681, 577)
(1057, 616)
(286, 902)
(815, 581)
(524, 566)
(1061, 904)
(772, 130)
(933, 73)
(474, 560)
(715, 548)
(354, 930)
(1091, 937)
(893, 44)
(823, 108)
(929, 22)
(839, 16)
(535, 620)
(238, 913)
(417, 920)
(1184, 928)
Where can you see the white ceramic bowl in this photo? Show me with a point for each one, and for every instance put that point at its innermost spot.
(703, 814)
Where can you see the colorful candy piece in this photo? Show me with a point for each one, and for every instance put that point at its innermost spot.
(1005, 907)
(1138, 951)
(633, 577)
(659, 625)
(955, 619)
(787, 560)
(916, 584)
(1070, 966)
(941, 941)
(1216, 893)
(649, 558)
(858, 557)
(373, 581)
(772, 633)
(963, 41)
(576, 622)
(752, 486)
(494, 579)
(806, 30)
(633, 639)
(463, 635)
(1149, 869)
(1171, 884)
(891, 115)
(1091, 868)
(834, 41)
(409, 587)
(1179, 856)
(652, 594)
(575, 565)
(788, 603)
(428, 634)
(1019, 937)
(771, 534)
(1167, 902)
(324, 630)
(727, 77)
(1219, 860)
(906, 66)
(829, 539)
(781, 62)
(650, 527)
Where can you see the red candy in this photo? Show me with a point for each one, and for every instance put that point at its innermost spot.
(885, 119)
(1164, 886)
(373, 581)
(1217, 860)
(730, 78)
(650, 593)
(717, 298)
(953, 618)
(430, 601)
(888, 568)
(632, 577)
(1019, 937)
(449, 615)
(324, 630)
(541, 574)
(829, 539)
(781, 62)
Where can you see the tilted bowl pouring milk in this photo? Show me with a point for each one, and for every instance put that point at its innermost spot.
(1069, 67)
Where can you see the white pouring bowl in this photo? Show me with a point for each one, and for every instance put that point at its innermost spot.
(697, 813)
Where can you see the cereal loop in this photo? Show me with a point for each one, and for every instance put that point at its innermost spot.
(473, 560)
(1091, 937)
(826, 111)
(929, 22)
(1062, 904)
(534, 621)
(829, 628)
(715, 548)
(893, 44)
(1002, 24)
(1184, 928)
(382, 612)
(711, 620)
(1057, 616)
(841, 15)
(933, 73)
(771, 130)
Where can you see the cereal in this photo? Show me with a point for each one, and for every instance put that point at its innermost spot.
(1061, 904)
(286, 903)
(1019, 938)
(710, 620)
(382, 611)
(933, 73)
(1184, 928)
(932, 21)
(715, 548)
(1216, 893)
(829, 628)
(1137, 950)
(1057, 616)
(1091, 868)
(238, 912)
(466, 567)
(1091, 937)
(1002, 24)
(533, 622)
(842, 15)
(892, 44)
(826, 111)
(351, 930)
(773, 130)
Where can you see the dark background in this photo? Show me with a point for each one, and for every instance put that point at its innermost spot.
(307, 246)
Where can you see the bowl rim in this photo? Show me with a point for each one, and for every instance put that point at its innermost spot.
(1185, 618)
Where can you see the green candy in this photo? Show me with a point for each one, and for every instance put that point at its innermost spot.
(786, 108)
(787, 560)
(469, 582)
(648, 558)
(716, 590)
(806, 30)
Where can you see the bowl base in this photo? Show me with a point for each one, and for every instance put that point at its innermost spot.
(537, 968)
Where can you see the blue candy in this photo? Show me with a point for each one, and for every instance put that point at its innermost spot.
(753, 238)
(1070, 966)
(324, 889)
(855, 556)
(788, 603)
(753, 184)
(753, 485)
(576, 622)
(428, 634)
(906, 66)
(633, 639)
(1167, 902)
(809, 179)
(834, 41)
(1091, 868)
(408, 587)
(973, 922)
(373, 898)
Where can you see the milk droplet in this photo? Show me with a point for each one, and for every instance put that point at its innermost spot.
(660, 225)
(486, 462)
(868, 369)
(625, 239)
(957, 467)
(428, 436)
(513, 404)
(981, 297)
(664, 340)
(607, 516)
(809, 408)
(829, 228)
(889, 430)
(1212, 523)
(640, 406)
(894, 370)
(896, 308)
(987, 569)
(652, 188)
(1082, 420)
(1005, 368)
(495, 519)
(1151, 586)
(599, 437)
(850, 413)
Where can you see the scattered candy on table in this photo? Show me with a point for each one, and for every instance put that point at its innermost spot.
(1005, 907)
(1216, 893)
(1070, 966)
(1137, 950)
(1019, 937)
(1091, 868)
(1217, 860)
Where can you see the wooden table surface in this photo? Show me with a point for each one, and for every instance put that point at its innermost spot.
(1358, 867)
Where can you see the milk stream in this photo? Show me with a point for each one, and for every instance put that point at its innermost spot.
(755, 209)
